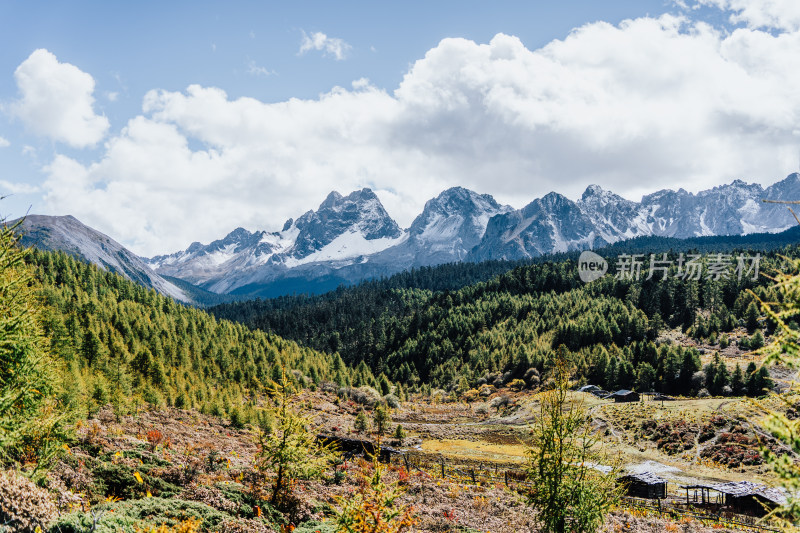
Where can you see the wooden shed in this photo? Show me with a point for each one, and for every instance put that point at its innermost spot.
(353, 447)
(743, 497)
(750, 498)
(624, 395)
(644, 485)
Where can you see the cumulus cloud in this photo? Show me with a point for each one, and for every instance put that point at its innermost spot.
(4, 143)
(777, 14)
(327, 45)
(649, 103)
(56, 101)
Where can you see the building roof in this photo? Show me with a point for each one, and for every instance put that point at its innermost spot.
(647, 478)
(739, 489)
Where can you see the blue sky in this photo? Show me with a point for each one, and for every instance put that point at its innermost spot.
(178, 121)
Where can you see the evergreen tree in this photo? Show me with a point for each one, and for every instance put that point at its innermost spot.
(751, 317)
(361, 423)
(689, 365)
(28, 414)
(738, 385)
(567, 494)
(646, 377)
(381, 419)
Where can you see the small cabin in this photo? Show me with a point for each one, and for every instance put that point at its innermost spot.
(353, 447)
(624, 395)
(644, 485)
(742, 497)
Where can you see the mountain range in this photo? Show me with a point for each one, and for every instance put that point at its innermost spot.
(350, 238)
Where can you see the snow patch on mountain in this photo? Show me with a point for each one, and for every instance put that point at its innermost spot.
(349, 245)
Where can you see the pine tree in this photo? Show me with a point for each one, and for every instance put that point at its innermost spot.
(361, 423)
(381, 419)
(27, 407)
(289, 449)
(567, 494)
(738, 385)
(646, 377)
(751, 317)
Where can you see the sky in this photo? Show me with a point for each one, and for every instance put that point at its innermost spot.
(165, 123)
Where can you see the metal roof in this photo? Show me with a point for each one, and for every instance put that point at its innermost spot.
(648, 478)
(739, 489)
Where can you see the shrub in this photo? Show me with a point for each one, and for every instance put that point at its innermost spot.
(361, 423)
(23, 505)
(143, 513)
(392, 401)
(499, 402)
(470, 396)
(374, 508)
(365, 396)
(517, 385)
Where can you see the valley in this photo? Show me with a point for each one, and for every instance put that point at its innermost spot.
(167, 406)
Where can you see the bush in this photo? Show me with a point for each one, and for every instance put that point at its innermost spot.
(392, 401)
(470, 396)
(142, 514)
(517, 385)
(500, 402)
(23, 505)
(365, 396)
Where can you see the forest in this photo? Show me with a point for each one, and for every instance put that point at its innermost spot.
(120, 343)
(507, 327)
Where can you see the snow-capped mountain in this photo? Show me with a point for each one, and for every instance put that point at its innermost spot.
(549, 224)
(67, 234)
(449, 227)
(340, 233)
(351, 238)
(557, 224)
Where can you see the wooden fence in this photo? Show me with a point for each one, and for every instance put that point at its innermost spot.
(475, 472)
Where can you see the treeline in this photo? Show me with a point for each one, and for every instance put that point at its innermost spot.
(502, 328)
(118, 342)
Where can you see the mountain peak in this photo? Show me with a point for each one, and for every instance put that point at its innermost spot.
(331, 200)
(592, 190)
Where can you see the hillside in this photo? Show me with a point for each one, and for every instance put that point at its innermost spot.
(122, 343)
(507, 326)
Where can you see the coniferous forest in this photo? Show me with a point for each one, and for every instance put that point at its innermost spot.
(508, 326)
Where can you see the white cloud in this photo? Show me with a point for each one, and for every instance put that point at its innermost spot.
(257, 70)
(112, 96)
(4, 143)
(327, 45)
(777, 14)
(7, 187)
(56, 101)
(648, 104)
